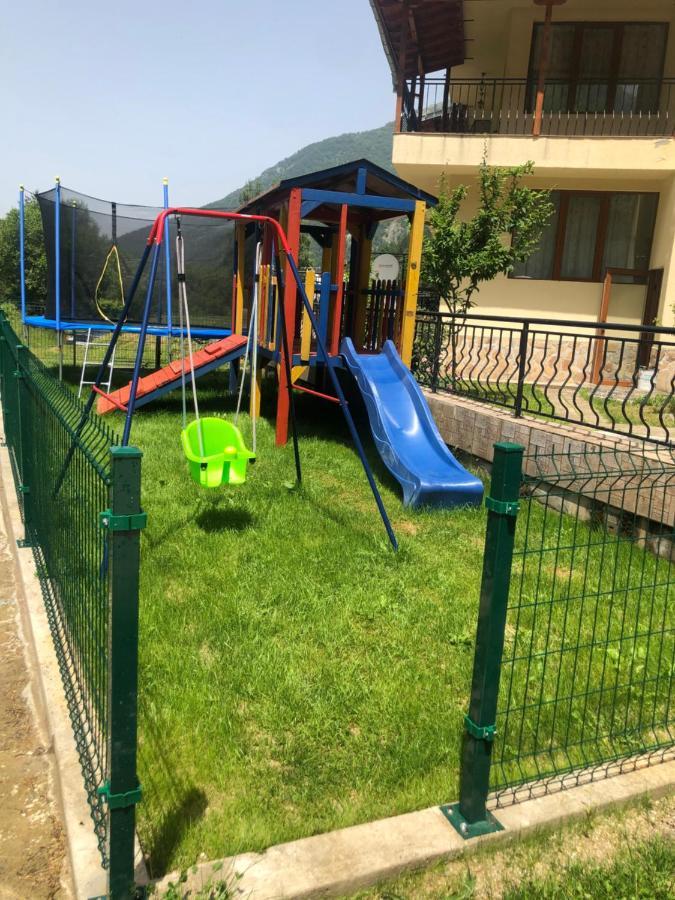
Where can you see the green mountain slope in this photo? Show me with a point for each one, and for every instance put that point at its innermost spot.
(375, 145)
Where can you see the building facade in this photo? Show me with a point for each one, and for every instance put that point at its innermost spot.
(583, 88)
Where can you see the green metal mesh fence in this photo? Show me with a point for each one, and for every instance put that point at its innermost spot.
(589, 646)
(40, 419)
(9, 388)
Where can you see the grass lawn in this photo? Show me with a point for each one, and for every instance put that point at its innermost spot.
(592, 409)
(624, 852)
(646, 871)
(296, 674)
(658, 412)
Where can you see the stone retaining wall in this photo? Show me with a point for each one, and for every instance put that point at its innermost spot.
(641, 481)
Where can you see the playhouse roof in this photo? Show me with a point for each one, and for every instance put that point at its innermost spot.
(348, 179)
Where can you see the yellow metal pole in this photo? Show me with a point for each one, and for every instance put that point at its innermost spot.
(254, 405)
(412, 282)
(239, 283)
(263, 295)
(306, 327)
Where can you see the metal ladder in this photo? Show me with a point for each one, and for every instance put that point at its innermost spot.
(111, 365)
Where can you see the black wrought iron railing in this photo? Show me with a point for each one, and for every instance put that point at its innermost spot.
(609, 376)
(383, 313)
(636, 107)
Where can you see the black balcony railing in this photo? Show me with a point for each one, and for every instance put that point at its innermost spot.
(637, 107)
(613, 377)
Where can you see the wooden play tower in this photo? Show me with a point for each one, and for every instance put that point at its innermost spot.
(339, 208)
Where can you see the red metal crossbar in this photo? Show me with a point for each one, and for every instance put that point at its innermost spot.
(157, 231)
(115, 403)
(306, 390)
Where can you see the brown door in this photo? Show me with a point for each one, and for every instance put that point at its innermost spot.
(653, 294)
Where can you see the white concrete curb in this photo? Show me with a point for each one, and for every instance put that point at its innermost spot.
(88, 875)
(345, 861)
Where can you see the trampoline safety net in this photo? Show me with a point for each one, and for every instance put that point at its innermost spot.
(100, 246)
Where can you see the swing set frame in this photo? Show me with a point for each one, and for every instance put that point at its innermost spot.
(280, 244)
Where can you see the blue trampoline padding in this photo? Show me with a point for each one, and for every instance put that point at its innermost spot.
(155, 330)
(405, 433)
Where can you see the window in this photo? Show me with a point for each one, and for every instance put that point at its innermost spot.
(628, 242)
(600, 66)
(591, 231)
(540, 264)
(581, 227)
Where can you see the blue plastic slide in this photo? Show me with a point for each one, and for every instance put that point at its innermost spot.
(405, 433)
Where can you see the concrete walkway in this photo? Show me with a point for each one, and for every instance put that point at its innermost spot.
(32, 846)
(340, 863)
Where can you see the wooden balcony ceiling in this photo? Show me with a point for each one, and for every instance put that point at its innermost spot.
(434, 31)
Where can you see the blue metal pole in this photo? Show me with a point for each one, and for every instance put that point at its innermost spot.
(141, 346)
(22, 252)
(57, 273)
(323, 354)
(167, 262)
(72, 260)
(88, 406)
(324, 304)
(283, 339)
(57, 255)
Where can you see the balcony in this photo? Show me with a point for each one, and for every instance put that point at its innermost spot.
(639, 108)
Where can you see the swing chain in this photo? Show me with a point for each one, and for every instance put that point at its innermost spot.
(252, 346)
(185, 314)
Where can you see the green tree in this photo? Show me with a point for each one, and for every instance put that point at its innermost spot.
(392, 236)
(250, 190)
(459, 254)
(36, 259)
(307, 255)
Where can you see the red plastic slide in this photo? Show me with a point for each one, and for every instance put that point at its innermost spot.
(163, 380)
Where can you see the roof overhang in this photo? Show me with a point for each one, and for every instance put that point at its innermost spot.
(432, 32)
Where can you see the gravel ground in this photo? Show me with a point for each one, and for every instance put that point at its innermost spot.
(32, 846)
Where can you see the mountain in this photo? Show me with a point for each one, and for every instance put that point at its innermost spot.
(375, 145)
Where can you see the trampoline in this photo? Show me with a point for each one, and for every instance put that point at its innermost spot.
(93, 248)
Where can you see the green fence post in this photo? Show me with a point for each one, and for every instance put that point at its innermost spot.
(23, 449)
(470, 816)
(122, 791)
(7, 367)
(3, 362)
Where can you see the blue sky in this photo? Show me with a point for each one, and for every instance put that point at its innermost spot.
(114, 96)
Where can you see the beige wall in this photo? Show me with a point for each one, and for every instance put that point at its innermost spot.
(576, 300)
(663, 251)
(499, 32)
(422, 158)
(579, 299)
(564, 299)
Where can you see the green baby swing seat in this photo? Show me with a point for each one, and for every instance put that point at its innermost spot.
(214, 448)
(223, 458)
